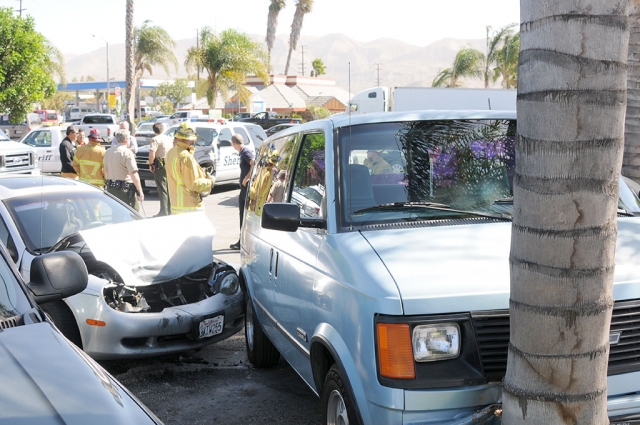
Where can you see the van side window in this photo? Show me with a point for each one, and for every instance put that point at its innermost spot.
(308, 181)
(270, 180)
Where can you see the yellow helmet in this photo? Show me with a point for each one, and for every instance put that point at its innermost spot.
(273, 157)
(186, 131)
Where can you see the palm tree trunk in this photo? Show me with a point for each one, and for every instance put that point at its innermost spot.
(571, 106)
(296, 28)
(631, 160)
(129, 58)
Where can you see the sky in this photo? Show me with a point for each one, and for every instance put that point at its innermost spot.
(70, 24)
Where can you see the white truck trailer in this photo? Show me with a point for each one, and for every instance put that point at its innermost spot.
(381, 99)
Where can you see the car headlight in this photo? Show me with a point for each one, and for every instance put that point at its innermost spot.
(436, 342)
(229, 284)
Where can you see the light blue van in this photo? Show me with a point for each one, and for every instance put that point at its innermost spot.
(375, 254)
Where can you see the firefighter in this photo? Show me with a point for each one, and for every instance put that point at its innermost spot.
(88, 161)
(187, 182)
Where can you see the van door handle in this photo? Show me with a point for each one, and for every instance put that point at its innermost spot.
(275, 273)
(271, 262)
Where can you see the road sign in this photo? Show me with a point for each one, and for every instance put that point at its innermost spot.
(117, 91)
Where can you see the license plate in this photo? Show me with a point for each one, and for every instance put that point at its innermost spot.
(150, 183)
(211, 327)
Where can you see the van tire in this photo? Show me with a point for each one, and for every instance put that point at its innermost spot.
(337, 402)
(260, 350)
(65, 321)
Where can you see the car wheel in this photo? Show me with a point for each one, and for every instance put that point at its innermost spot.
(260, 351)
(338, 407)
(397, 168)
(64, 320)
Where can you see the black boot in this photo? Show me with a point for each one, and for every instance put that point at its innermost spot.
(235, 246)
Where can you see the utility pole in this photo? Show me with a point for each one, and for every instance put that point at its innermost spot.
(302, 64)
(21, 9)
(378, 72)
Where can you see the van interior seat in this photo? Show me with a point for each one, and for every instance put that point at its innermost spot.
(358, 188)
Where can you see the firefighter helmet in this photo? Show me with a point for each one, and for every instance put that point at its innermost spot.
(186, 131)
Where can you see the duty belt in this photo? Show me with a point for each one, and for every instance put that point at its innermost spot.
(121, 185)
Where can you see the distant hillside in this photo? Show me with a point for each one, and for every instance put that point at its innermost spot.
(399, 63)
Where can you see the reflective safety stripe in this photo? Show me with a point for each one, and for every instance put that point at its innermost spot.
(89, 170)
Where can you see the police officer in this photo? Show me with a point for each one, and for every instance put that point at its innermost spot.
(88, 161)
(121, 171)
(160, 145)
(67, 149)
(187, 182)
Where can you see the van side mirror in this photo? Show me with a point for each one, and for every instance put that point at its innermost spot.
(286, 217)
(57, 275)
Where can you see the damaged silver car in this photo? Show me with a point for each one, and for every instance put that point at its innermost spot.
(154, 287)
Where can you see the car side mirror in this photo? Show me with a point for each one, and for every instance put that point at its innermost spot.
(57, 275)
(286, 217)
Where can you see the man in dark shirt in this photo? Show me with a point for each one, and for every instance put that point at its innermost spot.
(246, 165)
(68, 148)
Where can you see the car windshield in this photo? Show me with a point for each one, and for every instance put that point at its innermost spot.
(43, 219)
(205, 135)
(405, 168)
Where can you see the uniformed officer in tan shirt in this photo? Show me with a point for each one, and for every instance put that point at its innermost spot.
(121, 171)
(160, 145)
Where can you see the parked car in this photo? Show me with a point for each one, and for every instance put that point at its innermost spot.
(308, 199)
(240, 115)
(16, 131)
(144, 133)
(46, 379)
(213, 151)
(17, 158)
(150, 292)
(155, 118)
(268, 119)
(278, 127)
(392, 300)
(46, 142)
(181, 116)
(107, 124)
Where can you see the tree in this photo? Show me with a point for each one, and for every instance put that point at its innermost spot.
(24, 66)
(467, 63)
(493, 47)
(302, 8)
(228, 58)
(631, 159)
(272, 23)
(129, 63)
(318, 67)
(571, 111)
(57, 101)
(153, 47)
(507, 62)
(174, 92)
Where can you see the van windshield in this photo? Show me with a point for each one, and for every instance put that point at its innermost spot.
(398, 171)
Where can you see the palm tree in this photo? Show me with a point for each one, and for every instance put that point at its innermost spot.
(55, 62)
(129, 64)
(631, 159)
(467, 63)
(272, 23)
(318, 67)
(302, 8)
(571, 112)
(493, 46)
(507, 62)
(228, 58)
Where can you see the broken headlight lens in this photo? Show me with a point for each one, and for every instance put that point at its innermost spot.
(436, 342)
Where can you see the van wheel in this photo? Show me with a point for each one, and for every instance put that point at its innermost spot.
(61, 316)
(260, 351)
(338, 407)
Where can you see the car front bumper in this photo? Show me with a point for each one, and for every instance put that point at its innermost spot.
(148, 334)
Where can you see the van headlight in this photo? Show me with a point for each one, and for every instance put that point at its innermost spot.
(436, 342)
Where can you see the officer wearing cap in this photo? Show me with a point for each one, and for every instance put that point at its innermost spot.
(186, 180)
(88, 161)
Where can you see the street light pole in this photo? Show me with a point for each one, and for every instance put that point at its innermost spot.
(108, 81)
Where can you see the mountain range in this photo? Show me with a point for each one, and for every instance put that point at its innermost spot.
(354, 65)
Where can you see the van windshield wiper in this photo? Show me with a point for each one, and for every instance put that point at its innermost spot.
(429, 205)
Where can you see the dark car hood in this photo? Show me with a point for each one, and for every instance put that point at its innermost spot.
(44, 380)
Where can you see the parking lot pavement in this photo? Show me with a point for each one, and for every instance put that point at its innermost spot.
(222, 209)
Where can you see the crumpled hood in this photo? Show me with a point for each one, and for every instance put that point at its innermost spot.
(157, 250)
(44, 380)
(466, 268)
